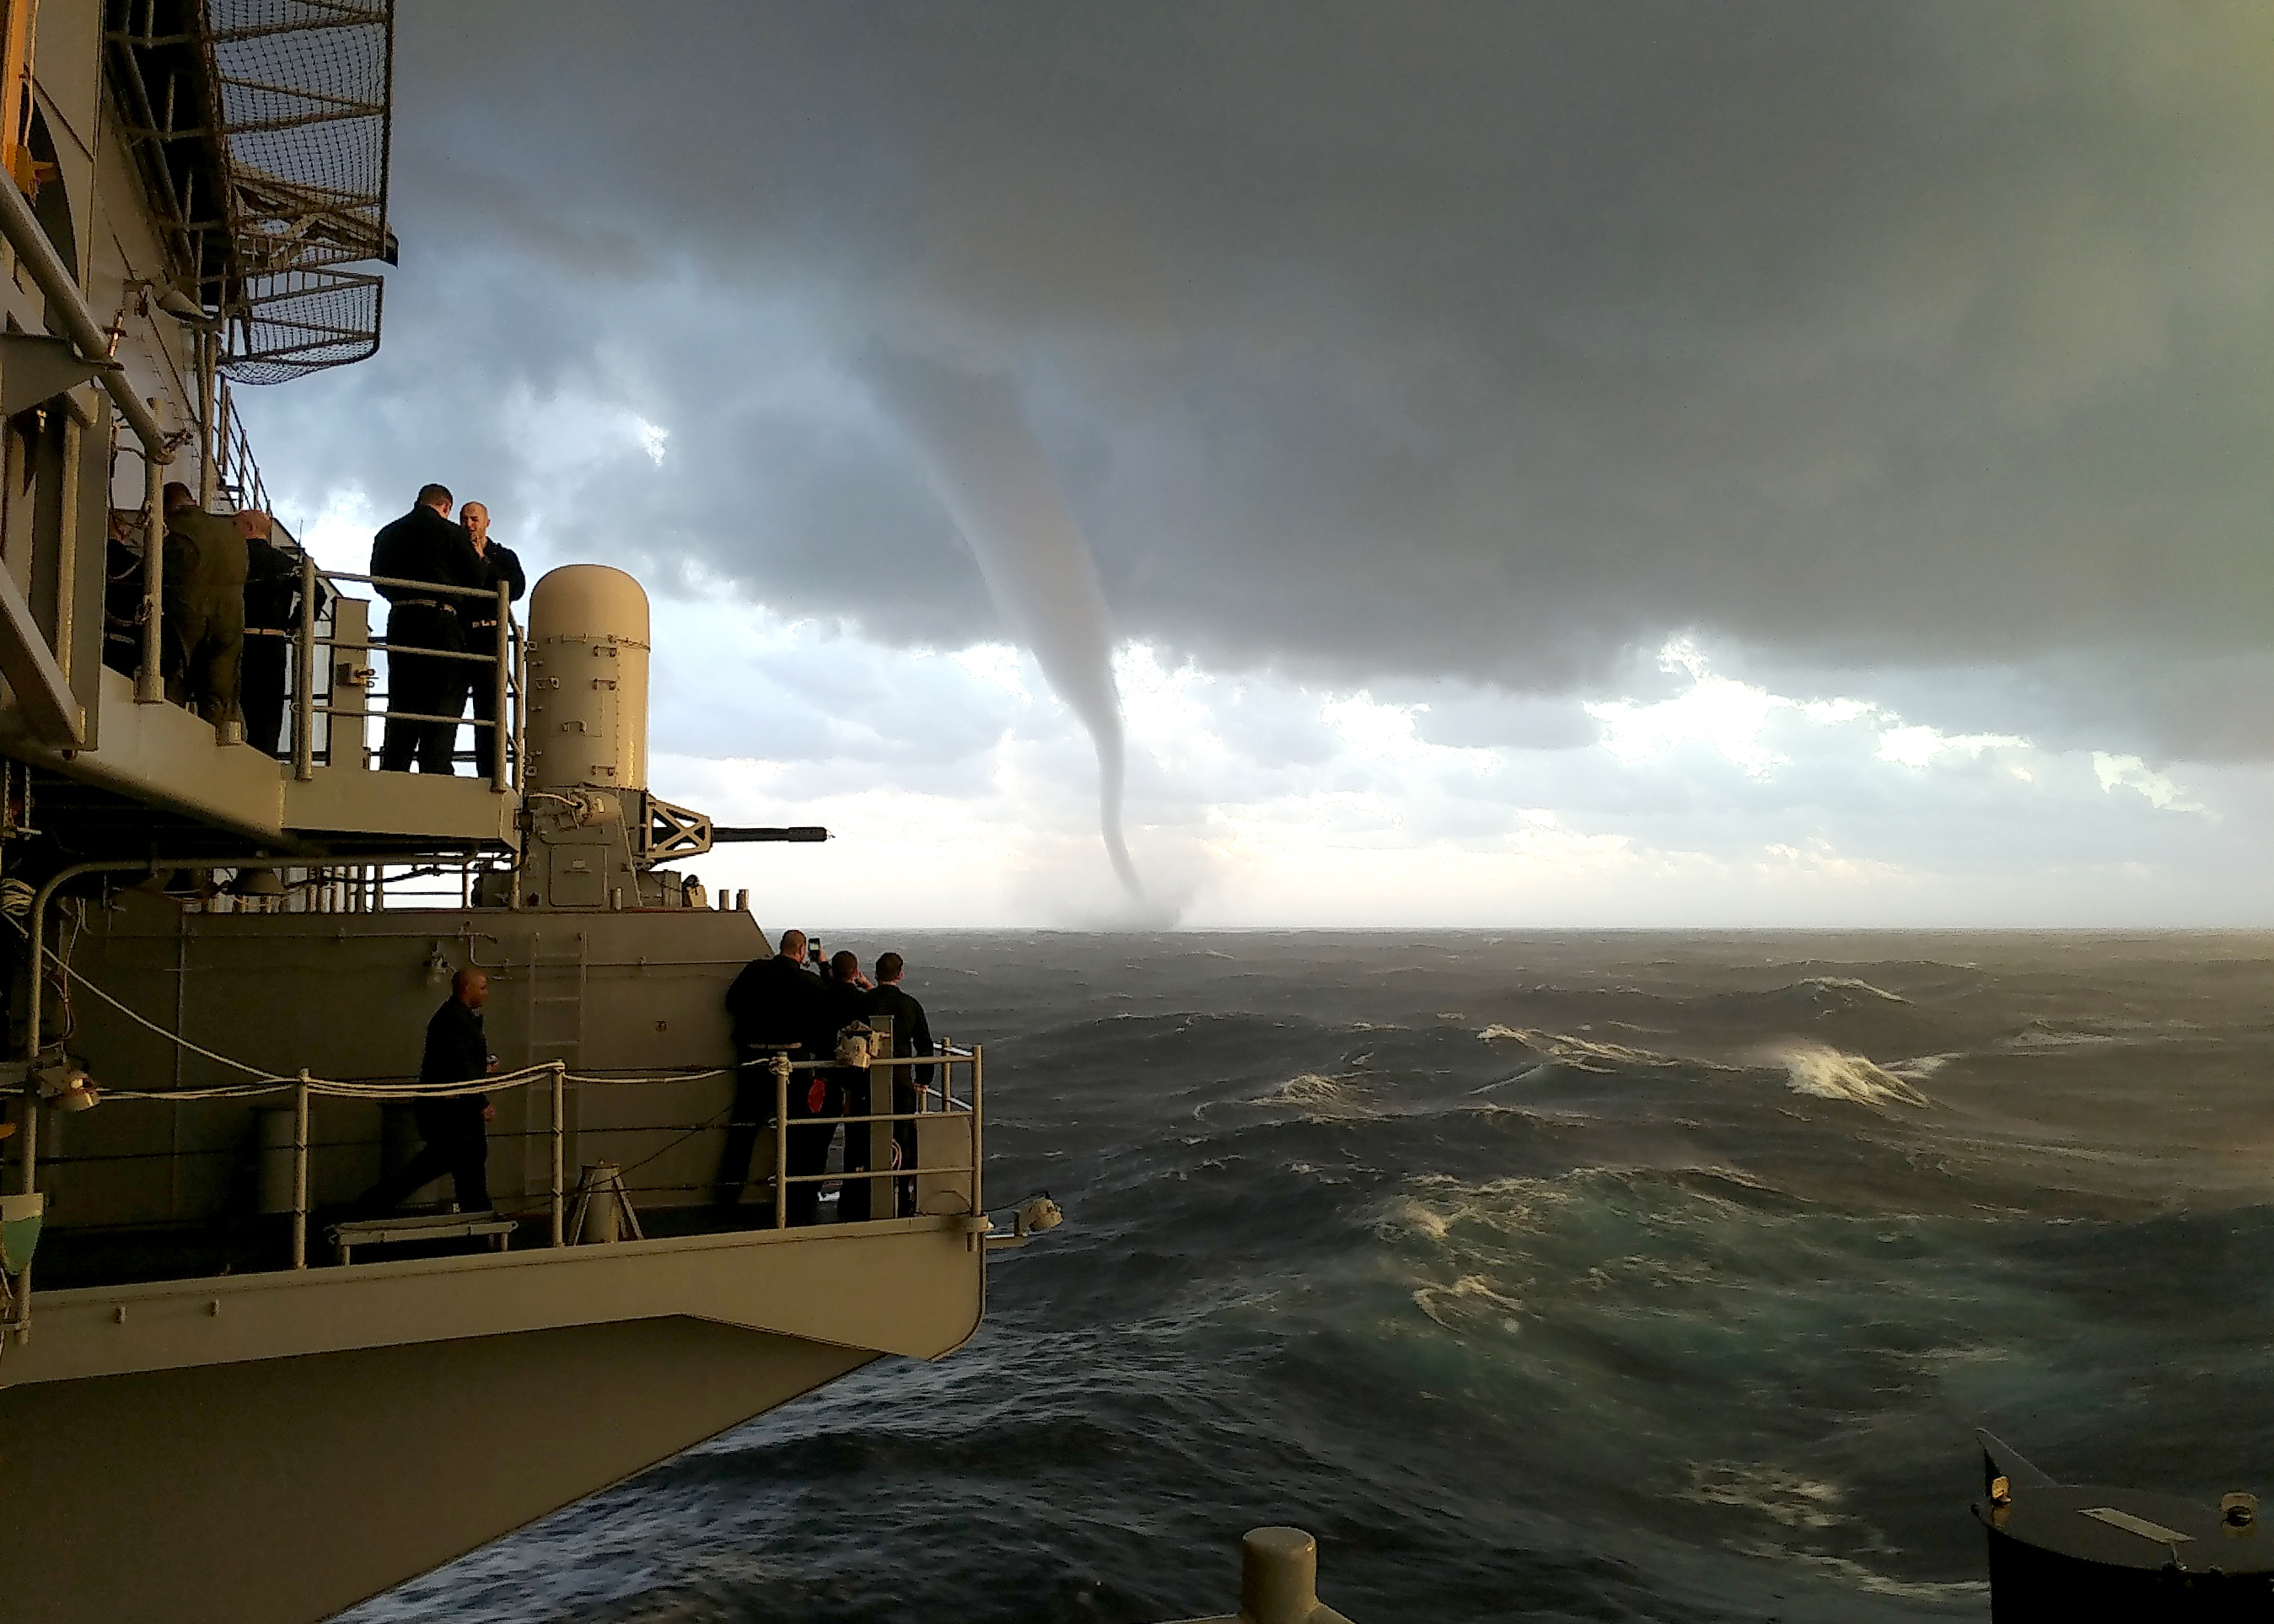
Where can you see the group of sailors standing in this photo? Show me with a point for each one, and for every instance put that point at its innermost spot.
(232, 600)
(231, 596)
(778, 1006)
(427, 549)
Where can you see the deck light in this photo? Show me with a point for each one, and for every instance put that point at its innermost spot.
(67, 1086)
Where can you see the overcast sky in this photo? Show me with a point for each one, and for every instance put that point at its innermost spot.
(1652, 463)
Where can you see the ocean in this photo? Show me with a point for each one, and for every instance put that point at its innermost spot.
(1554, 1276)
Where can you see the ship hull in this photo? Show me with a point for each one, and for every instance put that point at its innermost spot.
(269, 1448)
(280, 1491)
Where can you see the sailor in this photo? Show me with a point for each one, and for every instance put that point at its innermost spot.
(425, 548)
(458, 1051)
(775, 1005)
(204, 573)
(500, 567)
(272, 593)
(849, 1001)
(911, 1037)
(122, 591)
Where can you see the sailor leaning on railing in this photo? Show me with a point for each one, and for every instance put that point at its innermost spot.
(780, 1007)
(204, 566)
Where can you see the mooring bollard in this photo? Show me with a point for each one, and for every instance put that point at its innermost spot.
(1278, 1576)
(1278, 1581)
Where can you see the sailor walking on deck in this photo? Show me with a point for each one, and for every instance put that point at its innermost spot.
(424, 547)
(776, 1006)
(203, 573)
(458, 1051)
(500, 566)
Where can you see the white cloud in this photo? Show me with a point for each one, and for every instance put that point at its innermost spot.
(997, 664)
(1918, 746)
(338, 533)
(962, 793)
(1720, 711)
(1374, 732)
(2130, 773)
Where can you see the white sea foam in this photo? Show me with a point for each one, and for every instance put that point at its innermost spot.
(2087, 1032)
(1782, 1496)
(1828, 1074)
(1580, 1054)
(1848, 983)
(1848, 1570)
(1318, 1097)
(1470, 1290)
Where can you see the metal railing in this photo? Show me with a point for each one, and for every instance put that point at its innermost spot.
(880, 1136)
(236, 475)
(312, 689)
(306, 1088)
(502, 659)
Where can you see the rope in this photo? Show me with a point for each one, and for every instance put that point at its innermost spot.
(143, 1021)
(266, 1082)
(336, 1088)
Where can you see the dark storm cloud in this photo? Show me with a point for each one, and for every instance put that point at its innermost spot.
(1492, 341)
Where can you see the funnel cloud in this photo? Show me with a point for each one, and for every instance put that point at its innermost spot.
(967, 429)
(1637, 463)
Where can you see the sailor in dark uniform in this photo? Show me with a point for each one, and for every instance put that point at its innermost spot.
(500, 567)
(457, 1142)
(776, 1006)
(911, 1037)
(850, 999)
(272, 618)
(204, 625)
(422, 547)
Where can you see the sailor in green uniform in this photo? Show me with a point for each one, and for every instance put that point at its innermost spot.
(204, 570)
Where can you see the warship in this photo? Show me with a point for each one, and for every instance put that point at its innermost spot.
(225, 1397)
(222, 1400)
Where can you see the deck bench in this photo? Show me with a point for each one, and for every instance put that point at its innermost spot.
(353, 1232)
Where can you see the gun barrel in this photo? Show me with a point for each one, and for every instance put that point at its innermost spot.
(723, 834)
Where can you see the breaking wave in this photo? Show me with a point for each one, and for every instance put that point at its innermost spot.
(1318, 1096)
(1697, 1333)
(1827, 1074)
(1581, 1054)
(1848, 983)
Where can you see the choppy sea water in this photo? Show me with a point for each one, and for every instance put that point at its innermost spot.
(1570, 1276)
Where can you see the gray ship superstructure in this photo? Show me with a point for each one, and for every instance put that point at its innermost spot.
(220, 1399)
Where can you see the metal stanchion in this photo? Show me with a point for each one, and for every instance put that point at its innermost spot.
(150, 682)
(560, 1096)
(300, 1172)
(303, 697)
(501, 770)
(781, 1141)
